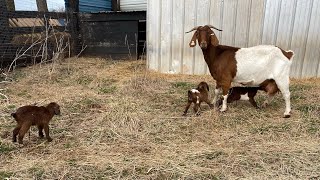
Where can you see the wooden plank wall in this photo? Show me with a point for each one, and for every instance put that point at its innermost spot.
(290, 24)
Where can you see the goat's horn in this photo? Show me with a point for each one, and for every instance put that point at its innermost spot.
(193, 29)
(210, 26)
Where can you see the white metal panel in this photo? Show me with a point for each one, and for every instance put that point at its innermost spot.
(133, 5)
(166, 36)
(285, 28)
(299, 35)
(242, 23)
(289, 24)
(153, 34)
(189, 23)
(270, 26)
(312, 54)
(229, 20)
(177, 35)
(256, 22)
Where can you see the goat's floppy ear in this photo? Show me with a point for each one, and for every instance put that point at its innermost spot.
(214, 40)
(193, 42)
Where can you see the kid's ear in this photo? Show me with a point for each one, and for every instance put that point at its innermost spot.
(214, 40)
(193, 42)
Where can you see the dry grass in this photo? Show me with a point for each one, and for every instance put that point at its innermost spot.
(120, 121)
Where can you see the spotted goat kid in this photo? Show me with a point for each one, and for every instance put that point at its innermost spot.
(197, 96)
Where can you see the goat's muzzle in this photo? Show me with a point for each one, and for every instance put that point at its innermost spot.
(203, 45)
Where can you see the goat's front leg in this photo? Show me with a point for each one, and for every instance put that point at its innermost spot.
(196, 108)
(186, 109)
(225, 91)
(40, 128)
(46, 131)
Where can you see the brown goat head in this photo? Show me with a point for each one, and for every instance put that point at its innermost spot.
(203, 86)
(55, 107)
(204, 34)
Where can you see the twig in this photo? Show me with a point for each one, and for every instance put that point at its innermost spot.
(82, 49)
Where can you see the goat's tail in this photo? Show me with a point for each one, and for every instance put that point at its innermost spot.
(290, 54)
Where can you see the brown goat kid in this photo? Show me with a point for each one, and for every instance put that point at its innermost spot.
(27, 116)
(248, 93)
(197, 96)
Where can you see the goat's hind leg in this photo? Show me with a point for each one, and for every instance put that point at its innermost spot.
(283, 85)
(15, 132)
(40, 128)
(23, 130)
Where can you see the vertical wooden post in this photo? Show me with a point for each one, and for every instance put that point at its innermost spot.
(115, 5)
(42, 5)
(4, 22)
(10, 5)
(72, 13)
(5, 36)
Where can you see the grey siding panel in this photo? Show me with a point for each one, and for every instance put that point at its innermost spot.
(285, 28)
(289, 24)
(133, 5)
(177, 36)
(312, 55)
(153, 34)
(256, 22)
(299, 35)
(270, 26)
(242, 23)
(190, 22)
(166, 27)
(229, 19)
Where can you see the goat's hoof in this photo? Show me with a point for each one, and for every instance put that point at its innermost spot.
(20, 142)
(184, 114)
(286, 116)
(223, 110)
(49, 139)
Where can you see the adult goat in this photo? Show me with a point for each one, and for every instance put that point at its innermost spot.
(248, 66)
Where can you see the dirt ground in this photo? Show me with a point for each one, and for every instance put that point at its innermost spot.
(120, 121)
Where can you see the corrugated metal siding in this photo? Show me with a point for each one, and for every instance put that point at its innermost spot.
(94, 5)
(133, 5)
(289, 24)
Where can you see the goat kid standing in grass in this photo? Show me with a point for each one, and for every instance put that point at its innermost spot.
(27, 116)
(197, 96)
(248, 66)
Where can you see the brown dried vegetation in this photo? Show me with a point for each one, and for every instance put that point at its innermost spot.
(122, 122)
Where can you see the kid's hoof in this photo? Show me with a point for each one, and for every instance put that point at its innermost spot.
(286, 116)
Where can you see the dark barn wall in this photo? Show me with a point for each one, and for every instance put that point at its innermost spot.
(116, 35)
